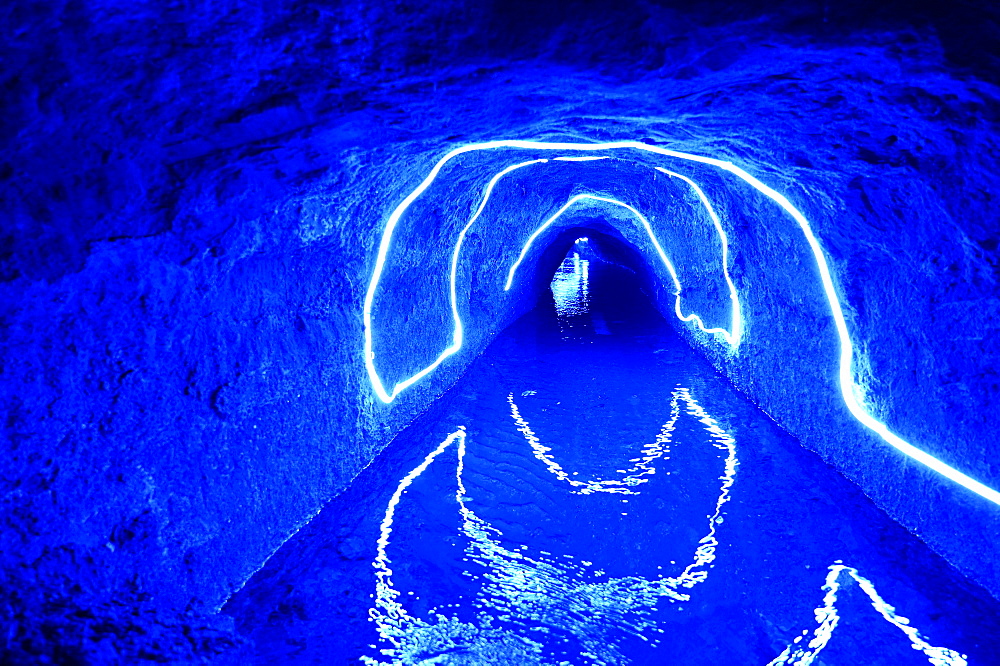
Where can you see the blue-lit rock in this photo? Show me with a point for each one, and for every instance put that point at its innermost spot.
(192, 202)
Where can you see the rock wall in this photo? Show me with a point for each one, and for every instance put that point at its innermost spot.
(193, 200)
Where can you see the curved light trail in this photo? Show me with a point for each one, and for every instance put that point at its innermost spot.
(458, 333)
(736, 335)
(845, 371)
(550, 591)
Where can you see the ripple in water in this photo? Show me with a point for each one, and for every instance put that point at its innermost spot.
(592, 510)
(531, 608)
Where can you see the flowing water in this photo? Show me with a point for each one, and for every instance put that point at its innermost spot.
(593, 492)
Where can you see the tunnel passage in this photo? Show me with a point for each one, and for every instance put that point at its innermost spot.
(486, 208)
(597, 282)
(193, 201)
(588, 484)
(603, 243)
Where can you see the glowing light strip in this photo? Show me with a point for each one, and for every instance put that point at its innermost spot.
(846, 346)
(828, 618)
(847, 352)
(731, 338)
(369, 354)
(737, 315)
(458, 333)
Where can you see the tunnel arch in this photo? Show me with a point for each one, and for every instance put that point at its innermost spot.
(609, 242)
(850, 391)
(731, 336)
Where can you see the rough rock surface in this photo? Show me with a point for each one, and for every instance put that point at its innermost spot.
(192, 198)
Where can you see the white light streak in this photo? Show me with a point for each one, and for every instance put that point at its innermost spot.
(845, 377)
(737, 316)
(458, 333)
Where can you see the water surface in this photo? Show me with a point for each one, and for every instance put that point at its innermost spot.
(592, 492)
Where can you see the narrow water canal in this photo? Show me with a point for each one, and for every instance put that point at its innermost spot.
(592, 492)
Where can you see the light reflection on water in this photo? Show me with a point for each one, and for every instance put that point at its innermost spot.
(828, 617)
(571, 288)
(522, 604)
(532, 593)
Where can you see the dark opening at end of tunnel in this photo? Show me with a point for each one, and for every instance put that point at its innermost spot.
(594, 283)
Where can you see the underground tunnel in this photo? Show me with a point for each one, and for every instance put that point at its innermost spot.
(514, 333)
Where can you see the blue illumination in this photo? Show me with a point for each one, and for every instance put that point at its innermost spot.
(845, 376)
(610, 406)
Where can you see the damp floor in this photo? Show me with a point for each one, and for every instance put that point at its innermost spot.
(593, 492)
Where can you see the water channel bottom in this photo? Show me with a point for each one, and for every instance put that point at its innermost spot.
(592, 492)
